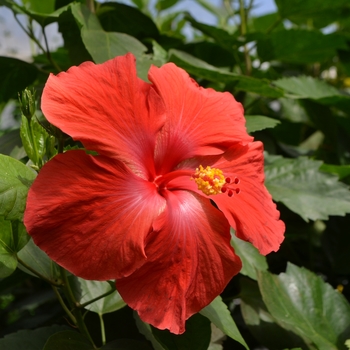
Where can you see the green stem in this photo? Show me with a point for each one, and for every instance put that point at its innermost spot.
(60, 145)
(90, 4)
(103, 332)
(64, 306)
(73, 304)
(68, 290)
(248, 63)
(48, 53)
(30, 34)
(37, 42)
(97, 298)
(53, 283)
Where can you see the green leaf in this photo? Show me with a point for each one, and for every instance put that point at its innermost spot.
(302, 302)
(341, 171)
(35, 140)
(15, 180)
(165, 4)
(32, 339)
(211, 53)
(299, 46)
(8, 260)
(13, 237)
(115, 17)
(43, 18)
(92, 289)
(218, 313)
(321, 13)
(220, 36)
(299, 185)
(68, 340)
(260, 122)
(38, 260)
(103, 46)
(265, 22)
(40, 6)
(204, 70)
(71, 33)
(307, 87)
(197, 335)
(252, 260)
(15, 76)
(260, 322)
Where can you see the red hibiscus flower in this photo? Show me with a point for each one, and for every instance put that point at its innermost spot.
(141, 211)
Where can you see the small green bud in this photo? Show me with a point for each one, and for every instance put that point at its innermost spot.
(27, 103)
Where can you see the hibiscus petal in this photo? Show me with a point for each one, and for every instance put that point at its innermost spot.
(91, 215)
(252, 212)
(108, 109)
(189, 262)
(199, 121)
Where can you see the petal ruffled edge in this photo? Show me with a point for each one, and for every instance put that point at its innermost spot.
(252, 213)
(199, 121)
(189, 262)
(109, 109)
(91, 215)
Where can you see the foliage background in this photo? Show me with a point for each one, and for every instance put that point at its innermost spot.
(291, 71)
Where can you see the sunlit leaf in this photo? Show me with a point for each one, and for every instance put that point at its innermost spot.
(261, 323)
(218, 313)
(302, 302)
(259, 122)
(250, 256)
(202, 69)
(103, 45)
(304, 189)
(15, 180)
(38, 260)
(92, 289)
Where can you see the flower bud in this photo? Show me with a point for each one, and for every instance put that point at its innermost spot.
(27, 103)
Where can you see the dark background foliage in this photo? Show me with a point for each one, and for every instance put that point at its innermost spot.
(291, 71)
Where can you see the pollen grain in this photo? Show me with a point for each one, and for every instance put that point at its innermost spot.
(209, 180)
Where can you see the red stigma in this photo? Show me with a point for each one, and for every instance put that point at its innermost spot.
(229, 186)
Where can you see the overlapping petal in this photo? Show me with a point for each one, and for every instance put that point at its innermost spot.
(91, 215)
(199, 121)
(251, 212)
(189, 262)
(109, 109)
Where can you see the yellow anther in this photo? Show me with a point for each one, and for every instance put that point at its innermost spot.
(209, 180)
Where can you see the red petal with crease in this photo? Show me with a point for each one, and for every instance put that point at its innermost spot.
(108, 109)
(252, 212)
(199, 121)
(189, 262)
(91, 215)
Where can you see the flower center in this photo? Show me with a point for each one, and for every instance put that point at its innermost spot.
(212, 181)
